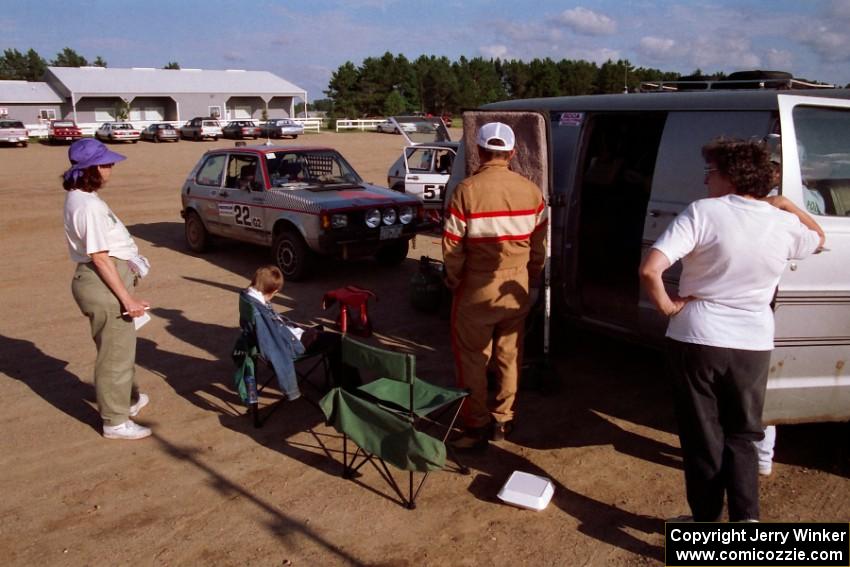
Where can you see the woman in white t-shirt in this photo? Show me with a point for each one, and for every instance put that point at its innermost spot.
(733, 247)
(108, 268)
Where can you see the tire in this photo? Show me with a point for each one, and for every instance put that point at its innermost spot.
(295, 137)
(215, 138)
(24, 144)
(394, 253)
(197, 237)
(156, 140)
(292, 255)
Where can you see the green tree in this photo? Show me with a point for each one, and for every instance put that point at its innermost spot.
(16, 66)
(395, 104)
(577, 77)
(343, 89)
(99, 62)
(172, 65)
(69, 58)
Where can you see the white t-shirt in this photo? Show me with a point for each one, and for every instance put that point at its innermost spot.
(733, 251)
(90, 226)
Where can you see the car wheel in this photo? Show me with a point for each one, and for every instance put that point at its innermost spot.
(292, 255)
(393, 254)
(24, 144)
(197, 237)
(295, 137)
(156, 140)
(134, 141)
(215, 138)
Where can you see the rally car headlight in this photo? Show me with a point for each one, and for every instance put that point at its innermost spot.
(339, 221)
(373, 218)
(405, 214)
(389, 217)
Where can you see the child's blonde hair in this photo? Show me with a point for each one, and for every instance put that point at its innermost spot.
(267, 279)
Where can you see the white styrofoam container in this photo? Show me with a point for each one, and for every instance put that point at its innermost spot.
(527, 491)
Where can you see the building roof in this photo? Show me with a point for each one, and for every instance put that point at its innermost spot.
(22, 92)
(149, 81)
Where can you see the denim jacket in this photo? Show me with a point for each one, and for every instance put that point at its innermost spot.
(276, 343)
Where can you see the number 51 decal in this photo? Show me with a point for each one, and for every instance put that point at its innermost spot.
(433, 192)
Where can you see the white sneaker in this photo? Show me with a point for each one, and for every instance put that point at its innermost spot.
(137, 407)
(765, 470)
(127, 430)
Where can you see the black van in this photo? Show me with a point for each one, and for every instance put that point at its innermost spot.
(619, 168)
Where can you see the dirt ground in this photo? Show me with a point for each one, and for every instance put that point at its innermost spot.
(209, 489)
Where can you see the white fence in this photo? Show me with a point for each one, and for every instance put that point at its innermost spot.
(88, 128)
(360, 124)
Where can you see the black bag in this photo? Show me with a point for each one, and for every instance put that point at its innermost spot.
(426, 286)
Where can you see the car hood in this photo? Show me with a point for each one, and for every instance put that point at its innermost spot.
(344, 197)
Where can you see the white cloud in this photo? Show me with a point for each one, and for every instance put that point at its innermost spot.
(779, 59)
(829, 44)
(587, 22)
(659, 48)
(840, 9)
(714, 52)
(494, 51)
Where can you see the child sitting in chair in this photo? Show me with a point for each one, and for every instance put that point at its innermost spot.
(281, 340)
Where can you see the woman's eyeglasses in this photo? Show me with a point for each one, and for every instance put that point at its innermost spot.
(706, 170)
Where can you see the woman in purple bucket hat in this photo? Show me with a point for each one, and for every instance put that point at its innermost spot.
(108, 268)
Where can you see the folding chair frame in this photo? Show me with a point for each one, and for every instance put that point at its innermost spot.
(258, 416)
(352, 466)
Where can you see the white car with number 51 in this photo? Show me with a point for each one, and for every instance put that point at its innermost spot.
(424, 167)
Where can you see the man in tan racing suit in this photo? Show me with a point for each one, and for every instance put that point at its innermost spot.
(494, 242)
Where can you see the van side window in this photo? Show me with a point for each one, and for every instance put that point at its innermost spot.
(823, 146)
(242, 172)
(679, 179)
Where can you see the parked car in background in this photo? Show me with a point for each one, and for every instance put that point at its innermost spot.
(303, 202)
(13, 132)
(200, 128)
(390, 127)
(117, 132)
(281, 128)
(161, 132)
(240, 129)
(63, 131)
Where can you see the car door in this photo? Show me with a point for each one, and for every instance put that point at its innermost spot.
(421, 178)
(244, 191)
(204, 191)
(809, 376)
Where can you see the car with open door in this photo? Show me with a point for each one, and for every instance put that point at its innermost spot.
(303, 202)
(623, 166)
(425, 164)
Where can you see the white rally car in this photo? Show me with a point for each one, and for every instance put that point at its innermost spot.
(425, 164)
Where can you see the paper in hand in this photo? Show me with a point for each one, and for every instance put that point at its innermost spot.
(141, 320)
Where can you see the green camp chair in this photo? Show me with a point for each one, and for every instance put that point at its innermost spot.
(249, 360)
(389, 418)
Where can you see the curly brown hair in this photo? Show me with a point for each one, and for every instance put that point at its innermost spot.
(745, 163)
(90, 181)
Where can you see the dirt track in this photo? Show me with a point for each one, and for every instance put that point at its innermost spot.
(208, 489)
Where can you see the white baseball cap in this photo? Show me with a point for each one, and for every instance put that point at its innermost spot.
(496, 132)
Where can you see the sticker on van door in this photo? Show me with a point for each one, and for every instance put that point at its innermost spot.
(571, 119)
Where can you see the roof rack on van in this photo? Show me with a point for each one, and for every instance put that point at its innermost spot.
(778, 80)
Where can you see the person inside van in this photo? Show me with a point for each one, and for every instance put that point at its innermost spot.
(734, 247)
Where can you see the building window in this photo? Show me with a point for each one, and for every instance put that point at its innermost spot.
(215, 111)
(47, 114)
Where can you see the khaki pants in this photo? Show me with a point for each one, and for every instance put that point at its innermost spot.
(488, 316)
(115, 338)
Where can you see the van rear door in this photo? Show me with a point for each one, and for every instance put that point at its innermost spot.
(809, 377)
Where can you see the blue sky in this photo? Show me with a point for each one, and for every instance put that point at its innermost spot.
(305, 41)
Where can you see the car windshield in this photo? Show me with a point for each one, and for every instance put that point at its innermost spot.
(164, 126)
(124, 126)
(321, 169)
(9, 124)
(63, 124)
(210, 123)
